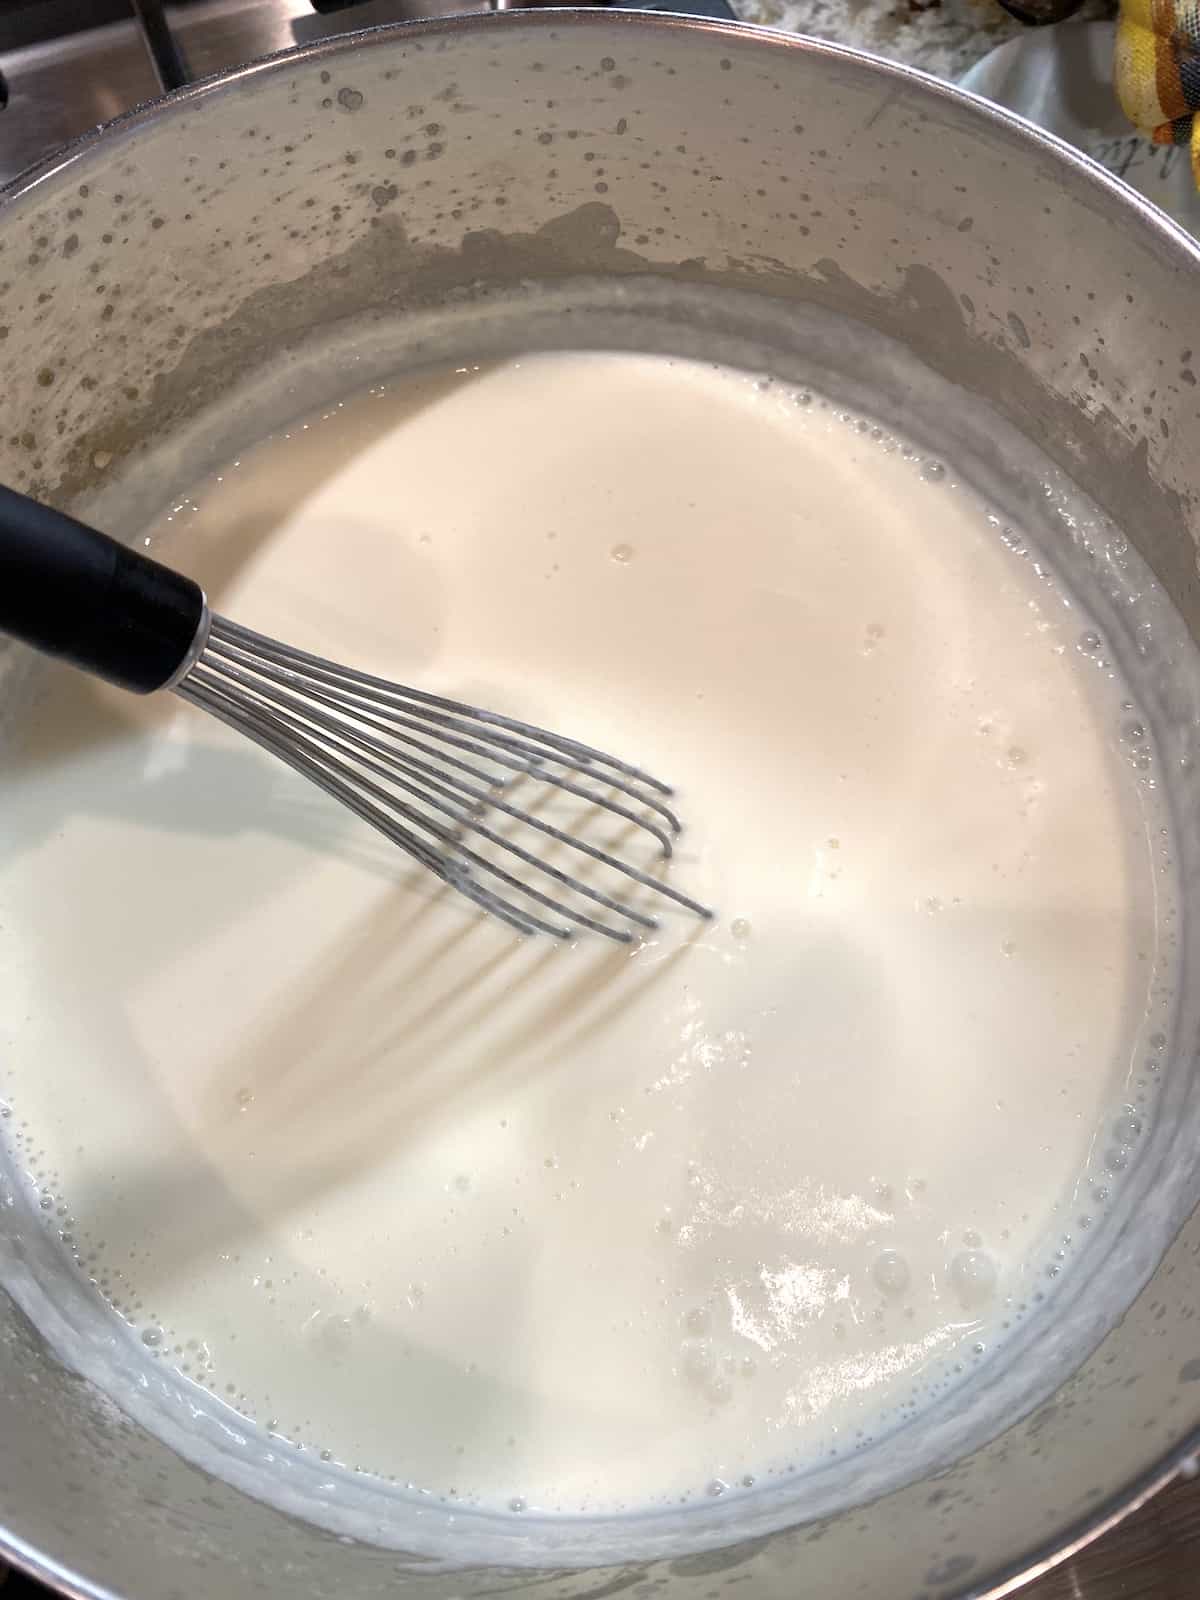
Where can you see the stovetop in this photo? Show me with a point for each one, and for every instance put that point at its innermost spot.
(63, 78)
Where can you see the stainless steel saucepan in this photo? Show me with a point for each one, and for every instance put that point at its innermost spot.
(438, 189)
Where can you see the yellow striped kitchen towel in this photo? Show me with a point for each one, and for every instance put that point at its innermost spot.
(1157, 70)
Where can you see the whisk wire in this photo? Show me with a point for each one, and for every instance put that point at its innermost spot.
(300, 757)
(226, 634)
(508, 742)
(303, 701)
(424, 785)
(343, 729)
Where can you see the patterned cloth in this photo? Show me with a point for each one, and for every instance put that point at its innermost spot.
(1157, 70)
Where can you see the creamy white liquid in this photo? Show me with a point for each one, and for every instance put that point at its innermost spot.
(583, 1227)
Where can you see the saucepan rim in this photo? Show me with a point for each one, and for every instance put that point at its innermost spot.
(1145, 215)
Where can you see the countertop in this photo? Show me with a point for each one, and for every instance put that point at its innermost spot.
(1153, 1555)
(944, 37)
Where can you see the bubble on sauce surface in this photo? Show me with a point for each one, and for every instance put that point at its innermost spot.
(891, 1273)
(973, 1276)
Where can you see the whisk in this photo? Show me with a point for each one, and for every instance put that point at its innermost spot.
(437, 777)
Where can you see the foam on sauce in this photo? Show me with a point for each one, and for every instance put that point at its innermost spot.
(579, 1229)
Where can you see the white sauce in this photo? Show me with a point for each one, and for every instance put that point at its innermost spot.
(586, 1228)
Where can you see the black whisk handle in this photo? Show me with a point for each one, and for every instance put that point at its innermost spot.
(73, 592)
